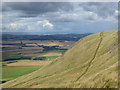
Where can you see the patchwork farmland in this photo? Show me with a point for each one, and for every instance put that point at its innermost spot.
(29, 55)
(28, 49)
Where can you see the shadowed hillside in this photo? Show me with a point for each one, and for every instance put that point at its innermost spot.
(92, 62)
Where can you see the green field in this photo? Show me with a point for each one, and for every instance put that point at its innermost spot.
(51, 57)
(28, 58)
(7, 52)
(11, 57)
(12, 72)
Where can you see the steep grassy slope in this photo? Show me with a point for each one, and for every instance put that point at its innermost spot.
(91, 62)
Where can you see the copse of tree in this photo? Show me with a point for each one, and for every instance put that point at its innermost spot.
(38, 58)
(16, 58)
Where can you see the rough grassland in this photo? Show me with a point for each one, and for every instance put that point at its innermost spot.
(91, 63)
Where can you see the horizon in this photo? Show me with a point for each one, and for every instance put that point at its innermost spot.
(37, 33)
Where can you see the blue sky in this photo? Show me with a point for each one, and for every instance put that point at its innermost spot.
(59, 17)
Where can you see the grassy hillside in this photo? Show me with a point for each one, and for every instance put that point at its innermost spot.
(92, 62)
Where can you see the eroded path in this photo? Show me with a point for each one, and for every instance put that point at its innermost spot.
(89, 64)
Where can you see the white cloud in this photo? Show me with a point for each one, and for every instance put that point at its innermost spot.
(14, 26)
(45, 23)
(28, 25)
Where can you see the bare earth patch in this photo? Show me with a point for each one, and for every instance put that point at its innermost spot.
(29, 63)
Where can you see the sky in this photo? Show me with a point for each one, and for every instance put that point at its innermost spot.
(59, 17)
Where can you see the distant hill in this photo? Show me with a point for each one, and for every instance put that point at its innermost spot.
(68, 37)
(91, 63)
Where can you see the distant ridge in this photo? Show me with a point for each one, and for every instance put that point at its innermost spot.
(91, 63)
(38, 33)
(69, 37)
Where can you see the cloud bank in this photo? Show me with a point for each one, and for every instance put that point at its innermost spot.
(59, 16)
